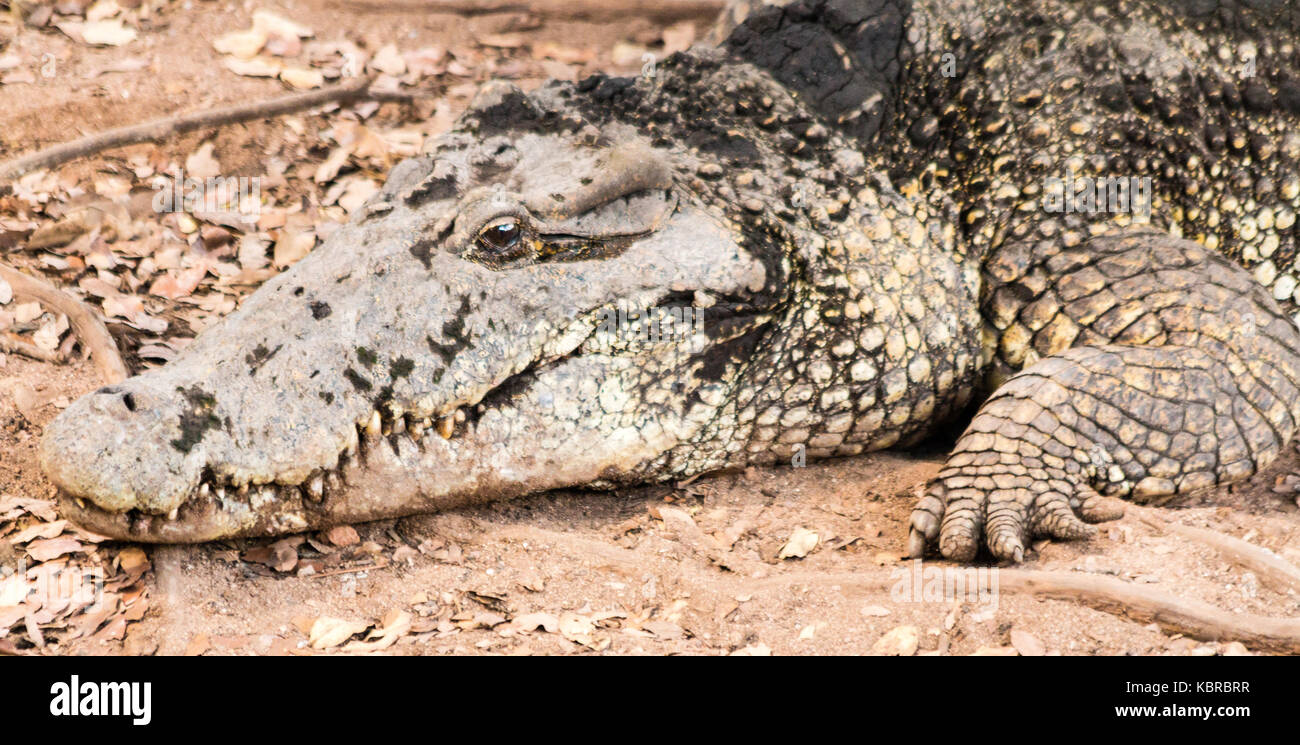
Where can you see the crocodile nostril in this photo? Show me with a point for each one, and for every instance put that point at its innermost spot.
(129, 400)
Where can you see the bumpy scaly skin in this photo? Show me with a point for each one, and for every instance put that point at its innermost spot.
(1184, 375)
(851, 192)
(1180, 371)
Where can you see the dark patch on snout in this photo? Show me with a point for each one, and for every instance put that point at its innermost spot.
(454, 329)
(423, 250)
(438, 185)
(401, 367)
(367, 357)
(510, 111)
(320, 309)
(445, 352)
(259, 356)
(356, 380)
(196, 418)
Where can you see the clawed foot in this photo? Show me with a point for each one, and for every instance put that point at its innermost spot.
(962, 508)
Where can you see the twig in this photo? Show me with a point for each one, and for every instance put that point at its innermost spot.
(347, 570)
(596, 10)
(1269, 567)
(159, 129)
(1191, 617)
(85, 324)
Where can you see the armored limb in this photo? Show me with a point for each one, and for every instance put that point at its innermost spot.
(1183, 375)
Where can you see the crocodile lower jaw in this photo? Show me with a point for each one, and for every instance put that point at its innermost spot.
(381, 480)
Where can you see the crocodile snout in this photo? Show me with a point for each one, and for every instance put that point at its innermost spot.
(88, 451)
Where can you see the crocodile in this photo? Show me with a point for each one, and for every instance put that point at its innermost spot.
(860, 223)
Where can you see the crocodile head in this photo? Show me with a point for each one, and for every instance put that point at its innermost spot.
(609, 282)
(537, 302)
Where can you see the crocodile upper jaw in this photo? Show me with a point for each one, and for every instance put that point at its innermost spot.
(393, 371)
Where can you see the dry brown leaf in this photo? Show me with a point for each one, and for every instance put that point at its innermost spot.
(388, 60)
(329, 168)
(53, 548)
(243, 45)
(13, 591)
(1027, 644)
(271, 23)
(102, 9)
(201, 164)
(302, 78)
(173, 285)
(292, 245)
(39, 530)
(11, 614)
(329, 632)
(108, 33)
(27, 312)
(801, 543)
(258, 67)
(132, 559)
(343, 535)
(576, 628)
(356, 193)
(900, 641)
(395, 625)
(533, 621)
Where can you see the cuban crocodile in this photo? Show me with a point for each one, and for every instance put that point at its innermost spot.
(855, 199)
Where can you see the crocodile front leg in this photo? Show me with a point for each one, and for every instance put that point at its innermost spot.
(1164, 369)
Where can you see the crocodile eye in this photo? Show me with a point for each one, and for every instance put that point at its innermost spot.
(501, 235)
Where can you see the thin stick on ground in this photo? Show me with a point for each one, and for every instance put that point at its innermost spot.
(1271, 569)
(662, 11)
(160, 129)
(86, 325)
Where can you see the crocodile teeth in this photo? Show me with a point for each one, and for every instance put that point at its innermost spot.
(172, 515)
(375, 425)
(417, 428)
(316, 488)
(446, 426)
(204, 489)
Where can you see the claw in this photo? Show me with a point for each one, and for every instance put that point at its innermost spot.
(1005, 545)
(925, 523)
(1005, 532)
(916, 541)
(1058, 521)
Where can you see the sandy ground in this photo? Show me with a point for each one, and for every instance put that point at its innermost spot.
(698, 568)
